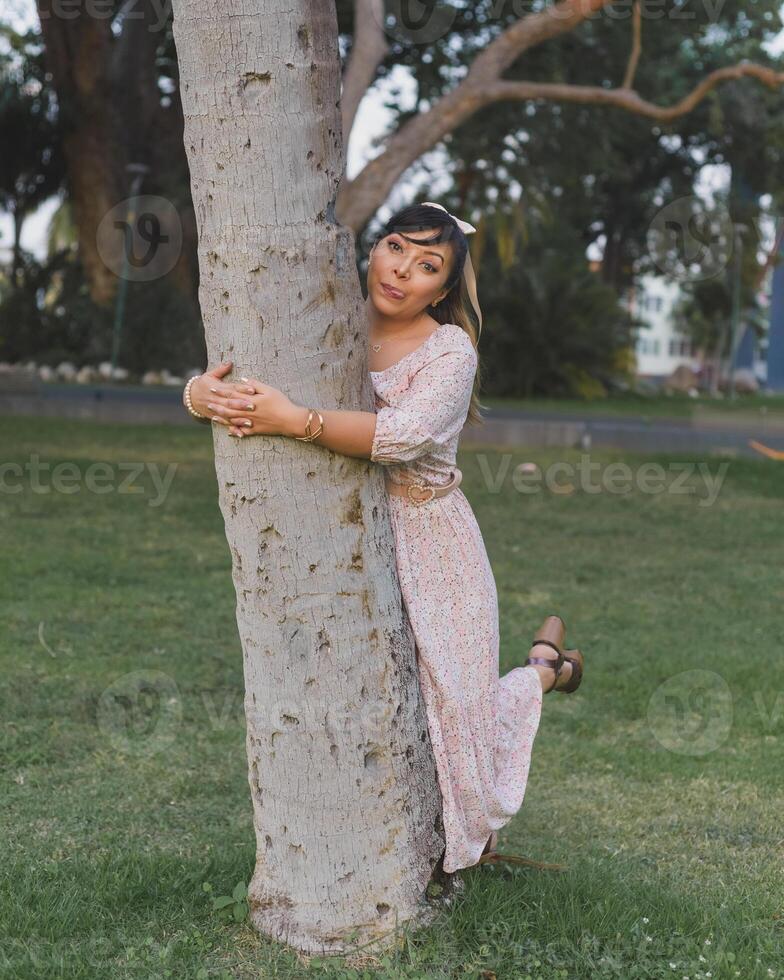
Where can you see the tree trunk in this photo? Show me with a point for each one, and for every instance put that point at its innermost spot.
(342, 778)
(78, 54)
(17, 266)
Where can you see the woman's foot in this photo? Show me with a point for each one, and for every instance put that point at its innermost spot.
(546, 674)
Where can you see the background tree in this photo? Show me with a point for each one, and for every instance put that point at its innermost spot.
(111, 68)
(559, 117)
(489, 79)
(31, 164)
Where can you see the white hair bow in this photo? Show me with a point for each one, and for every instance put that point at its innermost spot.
(464, 226)
(468, 269)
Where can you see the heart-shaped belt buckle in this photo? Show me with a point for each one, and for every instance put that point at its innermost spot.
(421, 500)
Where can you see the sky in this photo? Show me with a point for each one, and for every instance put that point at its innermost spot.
(373, 121)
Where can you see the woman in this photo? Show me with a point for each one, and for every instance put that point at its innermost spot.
(423, 365)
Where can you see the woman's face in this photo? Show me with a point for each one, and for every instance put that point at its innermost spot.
(416, 273)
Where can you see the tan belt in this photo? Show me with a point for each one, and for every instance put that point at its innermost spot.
(414, 489)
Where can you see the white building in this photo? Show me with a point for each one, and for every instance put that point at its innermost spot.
(660, 348)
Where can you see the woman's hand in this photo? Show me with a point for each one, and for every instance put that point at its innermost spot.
(267, 412)
(208, 385)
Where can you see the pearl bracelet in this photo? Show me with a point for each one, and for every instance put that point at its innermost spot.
(189, 403)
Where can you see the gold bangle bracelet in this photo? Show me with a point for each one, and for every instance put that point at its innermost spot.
(310, 436)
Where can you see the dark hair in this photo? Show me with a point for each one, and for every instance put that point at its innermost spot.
(456, 306)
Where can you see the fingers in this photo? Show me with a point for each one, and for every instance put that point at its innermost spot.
(231, 390)
(249, 385)
(253, 383)
(230, 409)
(243, 404)
(221, 370)
(239, 427)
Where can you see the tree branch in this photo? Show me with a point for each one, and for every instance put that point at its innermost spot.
(628, 99)
(634, 57)
(360, 198)
(368, 50)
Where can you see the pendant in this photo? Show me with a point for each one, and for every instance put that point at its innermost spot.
(376, 347)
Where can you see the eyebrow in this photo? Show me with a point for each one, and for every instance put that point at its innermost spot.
(427, 252)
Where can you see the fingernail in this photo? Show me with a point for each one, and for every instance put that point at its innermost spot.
(215, 390)
(251, 391)
(249, 407)
(210, 405)
(247, 423)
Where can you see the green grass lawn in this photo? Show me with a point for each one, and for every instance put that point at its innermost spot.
(743, 408)
(659, 788)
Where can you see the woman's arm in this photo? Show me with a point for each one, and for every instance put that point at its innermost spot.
(431, 412)
(270, 412)
(349, 433)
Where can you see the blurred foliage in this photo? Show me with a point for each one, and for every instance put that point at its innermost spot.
(602, 173)
(552, 326)
(32, 167)
(51, 318)
(547, 179)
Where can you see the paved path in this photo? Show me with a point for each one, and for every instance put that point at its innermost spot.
(504, 427)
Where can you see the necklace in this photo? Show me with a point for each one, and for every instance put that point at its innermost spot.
(377, 347)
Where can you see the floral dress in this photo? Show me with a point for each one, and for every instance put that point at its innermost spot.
(481, 726)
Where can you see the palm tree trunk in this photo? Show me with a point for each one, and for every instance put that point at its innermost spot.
(342, 778)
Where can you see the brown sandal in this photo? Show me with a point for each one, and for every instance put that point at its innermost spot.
(552, 633)
(576, 660)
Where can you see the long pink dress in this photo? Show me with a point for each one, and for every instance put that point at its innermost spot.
(482, 727)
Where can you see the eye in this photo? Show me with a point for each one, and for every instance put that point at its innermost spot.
(430, 265)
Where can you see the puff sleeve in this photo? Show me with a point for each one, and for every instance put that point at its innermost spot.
(429, 412)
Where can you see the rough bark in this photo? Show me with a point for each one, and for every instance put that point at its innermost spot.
(342, 779)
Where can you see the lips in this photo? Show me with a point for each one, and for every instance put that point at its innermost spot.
(391, 291)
